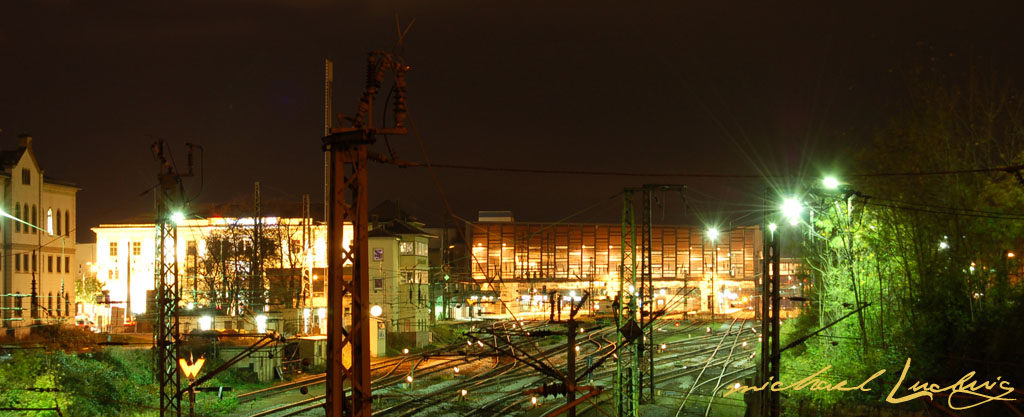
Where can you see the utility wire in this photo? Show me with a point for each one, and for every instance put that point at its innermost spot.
(428, 164)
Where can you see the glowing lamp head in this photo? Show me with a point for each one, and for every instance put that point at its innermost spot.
(408, 379)
(712, 233)
(376, 311)
(943, 245)
(791, 208)
(405, 351)
(830, 182)
(772, 227)
(177, 217)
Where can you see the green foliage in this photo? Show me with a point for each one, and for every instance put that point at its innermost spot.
(112, 382)
(946, 307)
(88, 288)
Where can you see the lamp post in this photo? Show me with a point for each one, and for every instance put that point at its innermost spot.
(713, 235)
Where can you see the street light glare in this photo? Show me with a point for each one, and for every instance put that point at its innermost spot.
(178, 217)
(791, 208)
(712, 233)
(830, 183)
(772, 227)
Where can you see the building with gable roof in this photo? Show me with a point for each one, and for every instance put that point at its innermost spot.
(37, 281)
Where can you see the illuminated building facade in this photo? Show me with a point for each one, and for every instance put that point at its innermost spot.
(38, 281)
(294, 294)
(214, 262)
(524, 261)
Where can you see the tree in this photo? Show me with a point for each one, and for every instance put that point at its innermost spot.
(930, 252)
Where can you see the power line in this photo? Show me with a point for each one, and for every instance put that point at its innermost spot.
(428, 164)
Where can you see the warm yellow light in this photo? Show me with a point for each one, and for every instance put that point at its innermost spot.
(191, 370)
(1010, 254)
(409, 379)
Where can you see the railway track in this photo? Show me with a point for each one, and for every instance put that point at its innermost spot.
(497, 386)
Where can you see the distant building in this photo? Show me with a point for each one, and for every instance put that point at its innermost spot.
(400, 280)
(522, 263)
(38, 267)
(214, 264)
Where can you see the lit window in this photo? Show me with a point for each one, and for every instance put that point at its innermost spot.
(406, 248)
(49, 221)
(421, 248)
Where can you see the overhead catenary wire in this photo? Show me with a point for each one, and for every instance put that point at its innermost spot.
(720, 175)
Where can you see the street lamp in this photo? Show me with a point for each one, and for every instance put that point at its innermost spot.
(177, 217)
(830, 183)
(713, 235)
(791, 210)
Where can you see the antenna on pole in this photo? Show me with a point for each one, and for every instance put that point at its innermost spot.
(328, 93)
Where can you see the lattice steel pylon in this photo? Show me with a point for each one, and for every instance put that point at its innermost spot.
(166, 335)
(646, 366)
(347, 147)
(627, 381)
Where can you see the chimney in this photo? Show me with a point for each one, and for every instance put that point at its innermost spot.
(24, 140)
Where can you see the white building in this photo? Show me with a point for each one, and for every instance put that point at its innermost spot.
(38, 276)
(294, 296)
(212, 267)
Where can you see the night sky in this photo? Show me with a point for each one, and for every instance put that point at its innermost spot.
(720, 87)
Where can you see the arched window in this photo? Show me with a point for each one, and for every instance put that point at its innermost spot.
(49, 221)
(20, 304)
(58, 224)
(35, 219)
(17, 213)
(49, 304)
(67, 305)
(67, 223)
